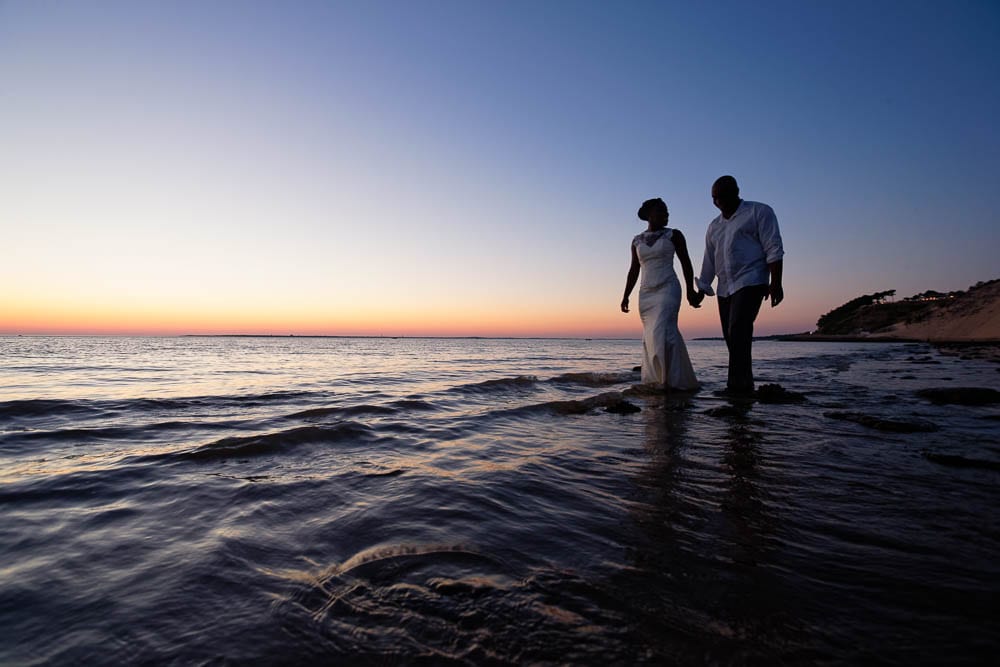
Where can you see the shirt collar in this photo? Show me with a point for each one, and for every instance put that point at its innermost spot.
(735, 213)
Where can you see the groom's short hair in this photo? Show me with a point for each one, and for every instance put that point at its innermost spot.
(726, 184)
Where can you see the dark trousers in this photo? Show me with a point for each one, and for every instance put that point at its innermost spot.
(738, 312)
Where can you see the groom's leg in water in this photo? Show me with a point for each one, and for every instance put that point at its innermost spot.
(743, 307)
(725, 307)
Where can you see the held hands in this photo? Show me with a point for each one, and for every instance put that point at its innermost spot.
(694, 298)
(776, 293)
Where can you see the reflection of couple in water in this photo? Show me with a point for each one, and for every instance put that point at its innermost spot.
(742, 248)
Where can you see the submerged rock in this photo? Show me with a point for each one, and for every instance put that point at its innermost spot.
(971, 350)
(655, 390)
(643, 391)
(775, 393)
(882, 424)
(611, 401)
(622, 407)
(961, 395)
(955, 461)
(592, 379)
(727, 411)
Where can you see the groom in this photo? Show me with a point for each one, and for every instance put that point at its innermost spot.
(743, 248)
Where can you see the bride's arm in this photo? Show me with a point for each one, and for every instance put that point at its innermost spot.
(680, 245)
(633, 275)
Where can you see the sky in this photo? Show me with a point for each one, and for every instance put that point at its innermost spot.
(464, 167)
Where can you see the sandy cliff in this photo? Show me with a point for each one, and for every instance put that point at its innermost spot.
(973, 315)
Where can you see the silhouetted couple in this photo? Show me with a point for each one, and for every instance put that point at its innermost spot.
(742, 249)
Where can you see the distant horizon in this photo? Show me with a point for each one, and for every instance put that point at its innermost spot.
(237, 335)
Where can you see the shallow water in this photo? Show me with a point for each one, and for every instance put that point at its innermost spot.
(278, 500)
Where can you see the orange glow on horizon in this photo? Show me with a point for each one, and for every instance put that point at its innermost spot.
(431, 323)
(77, 312)
(93, 319)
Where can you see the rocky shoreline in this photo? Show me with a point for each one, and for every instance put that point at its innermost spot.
(988, 350)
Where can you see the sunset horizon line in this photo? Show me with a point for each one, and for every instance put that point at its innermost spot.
(374, 336)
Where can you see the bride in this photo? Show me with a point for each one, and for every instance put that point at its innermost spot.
(664, 357)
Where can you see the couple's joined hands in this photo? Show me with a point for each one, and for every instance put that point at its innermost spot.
(776, 293)
(693, 298)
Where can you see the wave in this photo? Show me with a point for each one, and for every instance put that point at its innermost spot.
(413, 404)
(9, 440)
(224, 400)
(27, 408)
(351, 410)
(396, 558)
(279, 441)
(71, 368)
(80, 435)
(249, 400)
(595, 379)
(44, 407)
(391, 408)
(611, 401)
(80, 488)
(518, 383)
(524, 382)
(549, 616)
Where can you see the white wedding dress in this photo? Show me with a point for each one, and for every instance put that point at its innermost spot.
(664, 355)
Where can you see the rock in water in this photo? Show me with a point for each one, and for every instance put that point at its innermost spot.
(961, 395)
(960, 461)
(881, 424)
(727, 411)
(611, 401)
(775, 393)
(622, 407)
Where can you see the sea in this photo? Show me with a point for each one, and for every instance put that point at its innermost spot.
(294, 500)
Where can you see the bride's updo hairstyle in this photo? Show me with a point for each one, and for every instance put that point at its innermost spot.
(649, 206)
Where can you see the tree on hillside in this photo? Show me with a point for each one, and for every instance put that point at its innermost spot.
(828, 322)
(880, 297)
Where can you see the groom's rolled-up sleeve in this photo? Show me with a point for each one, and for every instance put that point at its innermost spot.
(770, 235)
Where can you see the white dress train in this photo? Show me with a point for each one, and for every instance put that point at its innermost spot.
(664, 356)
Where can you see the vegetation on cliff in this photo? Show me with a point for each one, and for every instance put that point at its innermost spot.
(878, 313)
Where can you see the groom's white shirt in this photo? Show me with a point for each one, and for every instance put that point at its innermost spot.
(739, 249)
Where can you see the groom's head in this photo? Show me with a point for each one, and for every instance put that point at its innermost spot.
(726, 194)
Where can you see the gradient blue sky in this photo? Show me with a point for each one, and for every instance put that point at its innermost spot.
(462, 167)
